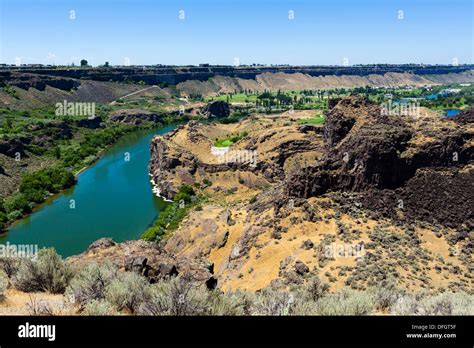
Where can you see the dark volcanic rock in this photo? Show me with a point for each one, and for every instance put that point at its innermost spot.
(301, 268)
(90, 122)
(40, 82)
(307, 244)
(146, 258)
(42, 135)
(216, 108)
(443, 196)
(311, 128)
(166, 269)
(12, 146)
(464, 117)
(374, 154)
(101, 244)
(337, 127)
(136, 264)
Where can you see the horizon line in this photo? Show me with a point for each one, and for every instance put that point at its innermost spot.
(205, 65)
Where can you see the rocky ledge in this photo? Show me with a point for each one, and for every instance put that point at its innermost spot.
(146, 258)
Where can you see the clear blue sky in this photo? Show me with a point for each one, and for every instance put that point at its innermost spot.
(254, 31)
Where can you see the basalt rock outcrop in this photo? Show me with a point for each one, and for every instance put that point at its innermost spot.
(40, 82)
(12, 146)
(465, 117)
(92, 122)
(216, 108)
(177, 74)
(393, 156)
(147, 259)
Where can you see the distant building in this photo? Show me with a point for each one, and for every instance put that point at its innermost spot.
(204, 65)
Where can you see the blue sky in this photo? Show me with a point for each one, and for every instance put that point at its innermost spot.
(219, 31)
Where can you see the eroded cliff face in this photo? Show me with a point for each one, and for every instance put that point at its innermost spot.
(388, 185)
(176, 74)
(368, 152)
(168, 165)
(187, 155)
(39, 82)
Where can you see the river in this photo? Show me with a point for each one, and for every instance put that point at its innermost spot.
(112, 198)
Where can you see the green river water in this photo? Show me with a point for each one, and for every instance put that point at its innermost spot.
(113, 198)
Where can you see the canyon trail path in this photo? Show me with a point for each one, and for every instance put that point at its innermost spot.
(133, 93)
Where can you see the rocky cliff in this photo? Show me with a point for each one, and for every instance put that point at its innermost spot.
(177, 74)
(367, 151)
(186, 155)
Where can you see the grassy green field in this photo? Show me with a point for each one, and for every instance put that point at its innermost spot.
(234, 98)
(226, 142)
(223, 143)
(317, 119)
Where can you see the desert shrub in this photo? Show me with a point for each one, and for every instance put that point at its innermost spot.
(345, 302)
(47, 272)
(39, 307)
(3, 285)
(316, 288)
(9, 265)
(99, 307)
(207, 182)
(230, 303)
(305, 308)
(386, 296)
(273, 302)
(184, 193)
(177, 297)
(128, 291)
(90, 284)
(441, 304)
